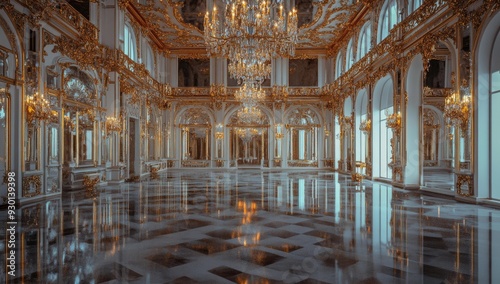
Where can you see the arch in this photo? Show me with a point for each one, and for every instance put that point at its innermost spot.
(349, 55)
(382, 105)
(232, 112)
(361, 114)
(487, 98)
(414, 83)
(79, 85)
(365, 39)
(387, 19)
(129, 41)
(150, 60)
(11, 37)
(339, 65)
(313, 110)
(348, 106)
(201, 115)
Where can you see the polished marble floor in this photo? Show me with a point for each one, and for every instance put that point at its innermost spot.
(252, 226)
(437, 178)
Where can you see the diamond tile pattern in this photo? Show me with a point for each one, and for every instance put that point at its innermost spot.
(252, 226)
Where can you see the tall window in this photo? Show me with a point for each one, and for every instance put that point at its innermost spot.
(386, 108)
(338, 71)
(364, 43)
(361, 115)
(129, 43)
(389, 18)
(495, 117)
(150, 64)
(349, 56)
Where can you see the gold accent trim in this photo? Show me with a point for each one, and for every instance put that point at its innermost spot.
(32, 181)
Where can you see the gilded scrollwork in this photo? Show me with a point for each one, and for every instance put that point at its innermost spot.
(32, 186)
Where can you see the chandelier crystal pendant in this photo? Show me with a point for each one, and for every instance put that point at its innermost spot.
(251, 32)
(250, 94)
(246, 134)
(249, 115)
(249, 70)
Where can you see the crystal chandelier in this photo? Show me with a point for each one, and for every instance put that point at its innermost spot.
(250, 94)
(249, 70)
(37, 109)
(246, 134)
(249, 115)
(394, 121)
(113, 124)
(252, 31)
(457, 110)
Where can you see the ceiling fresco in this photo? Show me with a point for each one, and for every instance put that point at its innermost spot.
(179, 23)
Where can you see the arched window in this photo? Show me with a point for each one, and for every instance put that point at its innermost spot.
(129, 43)
(338, 69)
(389, 18)
(150, 63)
(349, 56)
(386, 108)
(495, 116)
(413, 5)
(364, 42)
(361, 116)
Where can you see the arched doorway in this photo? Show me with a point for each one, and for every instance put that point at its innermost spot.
(382, 108)
(249, 138)
(195, 126)
(487, 98)
(361, 119)
(302, 129)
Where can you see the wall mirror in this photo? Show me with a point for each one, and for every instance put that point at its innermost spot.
(80, 127)
(195, 134)
(248, 139)
(302, 127)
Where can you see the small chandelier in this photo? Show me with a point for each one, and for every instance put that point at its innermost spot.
(394, 121)
(37, 109)
(457, 110)
(250, 94)
(366, 126)
(113, 124)
(251, 30)
(250, 115)
(246, 134)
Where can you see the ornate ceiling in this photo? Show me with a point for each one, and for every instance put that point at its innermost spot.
(179, 23)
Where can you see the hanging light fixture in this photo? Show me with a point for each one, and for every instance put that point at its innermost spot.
(246, 134)
(250, 115)
(250, 94)
(37, 109)
(457, 108)
(249, 70)
(251, 32)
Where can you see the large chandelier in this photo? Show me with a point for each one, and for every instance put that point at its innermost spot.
(250, 94)
(250, 115)
(251, 31)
